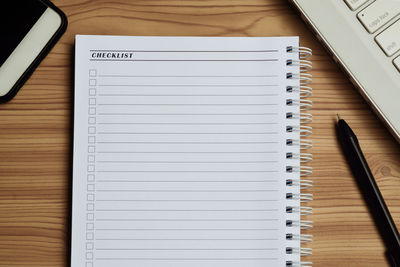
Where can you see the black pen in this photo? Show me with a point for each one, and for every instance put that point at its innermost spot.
(370, 191)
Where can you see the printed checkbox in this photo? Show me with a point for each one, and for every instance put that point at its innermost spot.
(92, 101)
(92, 82)
(90, 178)
(89, 246)
(92, 73)
(92, 91)
(89, 236)
(92, 111)
(91, 158)
(89, 255)
(90, 187)
(91, 149)
(92, 130)
(91, 168)
(89, 226)
(92, 120)
(90, 207)
(90, 197)
(90, 216)
(89, 264)
(91, 139)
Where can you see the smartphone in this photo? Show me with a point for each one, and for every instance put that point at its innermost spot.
(28, 30)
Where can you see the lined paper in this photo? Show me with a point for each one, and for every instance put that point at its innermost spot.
(179, 151)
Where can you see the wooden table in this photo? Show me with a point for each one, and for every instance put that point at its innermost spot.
(35, 132)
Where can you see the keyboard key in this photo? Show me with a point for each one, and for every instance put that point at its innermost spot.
(354, 4)
(378, 14)
(389, 40)
(396, 62)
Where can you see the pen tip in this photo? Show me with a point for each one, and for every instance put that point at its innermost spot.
(339, 118)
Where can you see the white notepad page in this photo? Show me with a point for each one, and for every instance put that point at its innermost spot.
(180, 152)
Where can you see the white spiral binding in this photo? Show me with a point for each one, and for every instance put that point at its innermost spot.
(304, 157)
(303, 182)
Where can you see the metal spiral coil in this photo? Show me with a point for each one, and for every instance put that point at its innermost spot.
(305, 65)
(305, 91)
(302, 238)
(304, 157)
(302, 210)
(303, 104)
(304, 184)
(305, 224)
(298, 264)
(304, 117)
(304, 52)
(304, 130)
(302, 197)
(305, 238)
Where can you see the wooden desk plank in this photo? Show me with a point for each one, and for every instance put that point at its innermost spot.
(35, 132)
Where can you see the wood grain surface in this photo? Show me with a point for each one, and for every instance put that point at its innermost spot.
(35, 132)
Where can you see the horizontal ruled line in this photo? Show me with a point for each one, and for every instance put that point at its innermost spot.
(195, 229)
(176, 181)
(188, 76)
(190, 259)
(189, 249)
(179, 152)
(162, 104)
(167, 171)
(186, 123)
(188, 85)
(186, 181)
(183, 239)
(187, 200)
(186, 51)
(189, 60)
(187, 220)
(189, 191)
(189, 114)
(230, 143)
(218, 133)
(180, 162)
(195, 95)
(189, 210)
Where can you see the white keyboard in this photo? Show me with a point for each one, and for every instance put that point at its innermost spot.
(380, 18)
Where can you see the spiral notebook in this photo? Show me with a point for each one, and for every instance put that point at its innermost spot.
(188, 152)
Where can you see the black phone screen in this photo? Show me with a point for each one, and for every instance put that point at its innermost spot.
(16, 19)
